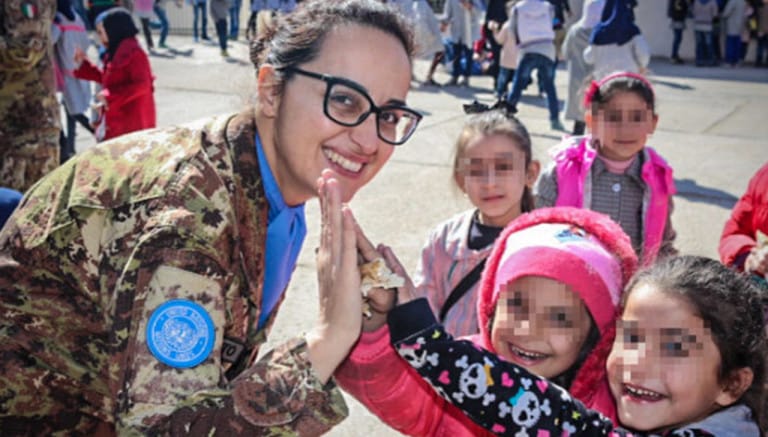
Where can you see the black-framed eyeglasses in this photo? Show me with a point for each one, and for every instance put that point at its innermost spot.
(348, 104)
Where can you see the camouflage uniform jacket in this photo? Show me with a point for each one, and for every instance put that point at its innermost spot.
(98, 245)
(29, 111)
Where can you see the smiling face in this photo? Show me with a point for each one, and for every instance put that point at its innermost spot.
(622, 125)
(492, 172)
(304, 141)
(663, 369)
(540, 324)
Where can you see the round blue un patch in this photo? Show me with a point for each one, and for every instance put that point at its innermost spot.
(180, 333)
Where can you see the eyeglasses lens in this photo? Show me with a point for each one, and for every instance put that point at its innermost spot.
(348, 106)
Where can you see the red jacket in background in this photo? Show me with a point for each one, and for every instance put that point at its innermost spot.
(749, 215)
(127, 84)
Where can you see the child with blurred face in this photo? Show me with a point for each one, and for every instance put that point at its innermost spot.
(493, 165)
(689, 348)
(495, 171)
(622, 123)
(540, 324)
(611, 170)
(688, 360)
(126, 98)
(550, 295)
(547, 301)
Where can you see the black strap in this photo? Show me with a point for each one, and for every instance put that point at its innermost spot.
(461, 288)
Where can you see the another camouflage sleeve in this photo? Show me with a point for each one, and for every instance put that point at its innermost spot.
(25, 31)
(278, 395)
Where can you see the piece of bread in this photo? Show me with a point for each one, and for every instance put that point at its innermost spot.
(376, 274)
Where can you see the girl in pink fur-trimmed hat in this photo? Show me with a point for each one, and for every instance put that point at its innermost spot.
(550, 294)
(548, 302)
(688, 358)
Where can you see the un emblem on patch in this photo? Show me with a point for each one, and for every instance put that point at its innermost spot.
(180, 333)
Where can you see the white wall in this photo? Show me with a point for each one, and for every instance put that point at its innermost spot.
(651, 17)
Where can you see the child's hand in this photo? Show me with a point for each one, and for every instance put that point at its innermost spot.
(757, 261)
(101, 102)
(406, 293)
(379, 300)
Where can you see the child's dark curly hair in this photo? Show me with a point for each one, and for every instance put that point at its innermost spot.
(730, 305)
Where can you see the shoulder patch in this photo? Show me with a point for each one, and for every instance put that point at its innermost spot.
(29, 10)
(180, 333)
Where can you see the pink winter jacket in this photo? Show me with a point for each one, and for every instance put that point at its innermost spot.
(749, 215)
(573, 164)
(377, 377)
(445, 260)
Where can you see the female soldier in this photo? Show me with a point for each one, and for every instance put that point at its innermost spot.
(138, 281)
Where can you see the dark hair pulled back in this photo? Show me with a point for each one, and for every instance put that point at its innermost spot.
(296, 38)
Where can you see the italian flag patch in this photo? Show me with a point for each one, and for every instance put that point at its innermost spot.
(29, 10)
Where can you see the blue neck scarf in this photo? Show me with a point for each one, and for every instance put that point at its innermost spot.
(286, 230)
(617, 24)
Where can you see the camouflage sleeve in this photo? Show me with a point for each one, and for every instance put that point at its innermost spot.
(25, 29)
(283, 391)
(161, 396)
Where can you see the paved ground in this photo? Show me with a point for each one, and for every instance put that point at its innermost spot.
(713, 129)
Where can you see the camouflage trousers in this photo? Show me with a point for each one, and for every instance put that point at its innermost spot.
(21, 165)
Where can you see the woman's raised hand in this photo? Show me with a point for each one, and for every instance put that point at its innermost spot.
(340, 317)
